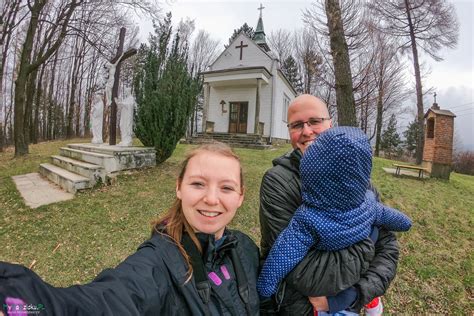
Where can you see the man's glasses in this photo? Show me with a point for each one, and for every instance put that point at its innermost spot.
(312, 123)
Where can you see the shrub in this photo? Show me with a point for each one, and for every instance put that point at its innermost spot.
(166, 92)
(463, 162)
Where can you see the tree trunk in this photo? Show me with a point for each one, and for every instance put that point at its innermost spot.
(35, 127)
(27, 66)
(378, 125)
(90, 86)
(419, 89)
(29, 104)
(79, 101)
(1, 79)
(380, 97)
(346, 112)
(21, 138)
(72, 96)
(51, 107)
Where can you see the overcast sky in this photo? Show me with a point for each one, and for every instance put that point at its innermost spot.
(452, 78)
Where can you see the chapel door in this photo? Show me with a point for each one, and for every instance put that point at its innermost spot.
(238, 117)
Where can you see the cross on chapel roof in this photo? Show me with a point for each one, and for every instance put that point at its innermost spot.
(261, 8)
(259, 35)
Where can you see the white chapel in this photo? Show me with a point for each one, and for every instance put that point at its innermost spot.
(245, 92)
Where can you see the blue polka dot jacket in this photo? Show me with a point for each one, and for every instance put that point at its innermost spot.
(337, 209)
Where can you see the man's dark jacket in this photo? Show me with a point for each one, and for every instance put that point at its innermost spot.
(320, 273)
(152, 281)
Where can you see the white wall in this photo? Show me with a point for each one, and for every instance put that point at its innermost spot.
(239, 94)
(252, 56)
(280, 130)
(228, 94)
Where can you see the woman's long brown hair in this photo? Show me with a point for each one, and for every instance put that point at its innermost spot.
(173, 223)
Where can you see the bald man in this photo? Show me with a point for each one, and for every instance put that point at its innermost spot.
(317, 283)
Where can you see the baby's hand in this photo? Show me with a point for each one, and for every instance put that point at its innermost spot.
(320, 303)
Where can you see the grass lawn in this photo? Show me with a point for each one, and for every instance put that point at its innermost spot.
(74, 240)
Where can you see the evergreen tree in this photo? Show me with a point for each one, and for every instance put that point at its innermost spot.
(411, 137)
(390, 138)
(165, 91)
(248, 30)
(290, 69)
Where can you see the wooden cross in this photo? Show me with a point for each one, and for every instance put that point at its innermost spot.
(119, 58)
(261, 8)
(434, 94)
(241, 46)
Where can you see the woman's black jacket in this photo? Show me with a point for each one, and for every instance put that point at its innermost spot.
(152, 281)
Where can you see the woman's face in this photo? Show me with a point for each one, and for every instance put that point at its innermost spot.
(210, 192)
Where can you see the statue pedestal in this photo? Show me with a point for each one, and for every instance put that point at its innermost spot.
(124, 158)
(81, 166)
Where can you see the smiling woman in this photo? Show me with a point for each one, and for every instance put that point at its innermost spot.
(191, 265)
(210, 192)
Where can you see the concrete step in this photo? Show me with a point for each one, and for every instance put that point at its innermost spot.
(69, 181)
(111, 150)
(108, 162)
(125, 157)
(230, 143)
(251, 137)
(92, 171)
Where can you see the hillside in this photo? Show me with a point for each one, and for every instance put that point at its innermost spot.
(100, 227)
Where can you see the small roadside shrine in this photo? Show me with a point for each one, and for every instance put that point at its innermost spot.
(438, 149)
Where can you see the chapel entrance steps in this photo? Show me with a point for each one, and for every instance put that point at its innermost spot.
(252, 141)
(82, 166)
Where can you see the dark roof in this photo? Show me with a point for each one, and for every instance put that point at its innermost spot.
(237, 69)
(440, 112)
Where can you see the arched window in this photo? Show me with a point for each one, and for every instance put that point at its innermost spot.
(430, 128)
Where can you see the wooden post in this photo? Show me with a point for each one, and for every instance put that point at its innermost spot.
(113, 105)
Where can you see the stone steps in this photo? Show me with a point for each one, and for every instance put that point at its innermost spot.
(92, 171)
(252, 141)
(106, 161)
(81, 166)
(69, 181)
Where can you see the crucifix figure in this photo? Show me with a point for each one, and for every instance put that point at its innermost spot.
(261, 8)
(116, 61)
(241, 46)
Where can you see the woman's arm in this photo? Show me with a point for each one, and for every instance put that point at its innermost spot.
(129, 289)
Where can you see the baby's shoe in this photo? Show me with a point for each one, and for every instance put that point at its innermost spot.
(374, 308)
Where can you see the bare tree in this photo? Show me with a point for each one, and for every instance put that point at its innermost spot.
(281, 43)
(352, 18)
(28, 65)
(203, 51)
(309, 58)
(8, 21)
(426, 24)
(340, 55)
(44, 27)
(389, 80)
(2, 5)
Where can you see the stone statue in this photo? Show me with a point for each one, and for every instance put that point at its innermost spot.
(110, 75)
(110, 68)
(97, 116)
(126, 106)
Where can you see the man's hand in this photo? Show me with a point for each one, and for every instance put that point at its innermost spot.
(320, 303)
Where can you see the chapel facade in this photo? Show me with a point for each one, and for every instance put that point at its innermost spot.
(245, 92)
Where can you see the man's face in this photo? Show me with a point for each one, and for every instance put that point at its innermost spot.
(303, 109)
